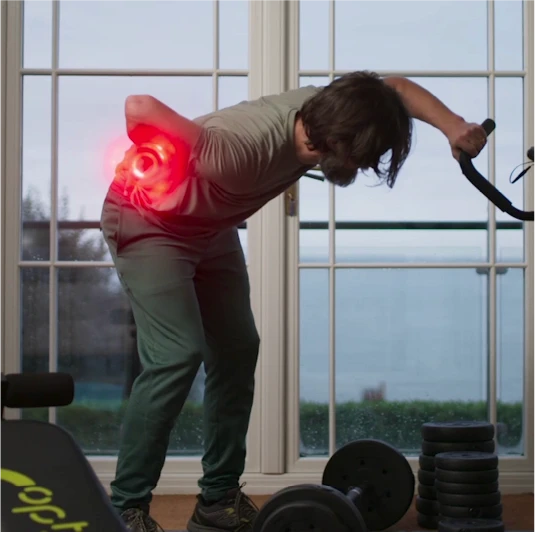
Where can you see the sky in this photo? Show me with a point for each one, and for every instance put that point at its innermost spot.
(368, 35)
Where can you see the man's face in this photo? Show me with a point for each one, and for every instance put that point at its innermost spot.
(337, 172)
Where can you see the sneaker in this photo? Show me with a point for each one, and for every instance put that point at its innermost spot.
(235, 513)
(137, 520)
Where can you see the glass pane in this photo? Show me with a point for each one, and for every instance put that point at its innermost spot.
(34, 328)
(86, 168)
(313, 244)
(389, 35)
(313, 218)
(99, 350)
(36, 167)
(317, 81)
(411, 347)
(509, 139)
(402, 245)
(232, 90)
(314, 361)
(34, 320)
(313, 203)
(314, 45)
(510, 367)
(136, 35)
(233, 34)
(37, 41)
(508, 35)
(429, 189)
(242, 234)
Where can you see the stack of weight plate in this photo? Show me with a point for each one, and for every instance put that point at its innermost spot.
(448, 437)
(426, 500)
(467, 488)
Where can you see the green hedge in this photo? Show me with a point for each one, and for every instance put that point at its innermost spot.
(399, 423)
(97, 429)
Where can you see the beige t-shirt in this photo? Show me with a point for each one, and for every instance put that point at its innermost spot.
(245, 158)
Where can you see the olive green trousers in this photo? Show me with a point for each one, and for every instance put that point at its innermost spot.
(191, 303)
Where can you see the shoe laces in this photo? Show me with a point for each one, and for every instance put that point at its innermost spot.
(153, 524)
(137, 515)
(246, 509)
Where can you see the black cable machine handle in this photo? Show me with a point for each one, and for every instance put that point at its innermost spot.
(485, 187)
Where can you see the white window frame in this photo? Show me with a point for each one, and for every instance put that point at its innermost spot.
(272, 461)
(3, 175)
(180, 474)
(516, 473)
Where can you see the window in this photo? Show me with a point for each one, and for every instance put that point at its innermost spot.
(409, 303)
(75, 316)
(378, 309)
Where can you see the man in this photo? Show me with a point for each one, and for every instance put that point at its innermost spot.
(174, 242)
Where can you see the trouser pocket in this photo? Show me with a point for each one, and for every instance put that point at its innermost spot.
(111, 224)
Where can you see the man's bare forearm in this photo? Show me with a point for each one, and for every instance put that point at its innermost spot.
(144, 111)
(423, 105)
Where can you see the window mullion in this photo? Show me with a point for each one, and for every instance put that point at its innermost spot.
(332, 270)
(254, 237)
(492, 304)
(273, 318)
(54, 279)
(3, 176)
(11, 48)
(422, 73)
(529, 85)
(293, 321)
(215, 79)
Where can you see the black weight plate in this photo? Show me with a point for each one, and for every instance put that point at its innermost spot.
(466, 461)
(470, 525)
(454, 431)
(486, 512)
(427, 492)
(467, 477)
(427, 521)
(308, 507)
(379, 469)
(427, 463)
(466, 489)
(426, 506)
(457, 499)
(431, 448)
(426, 477)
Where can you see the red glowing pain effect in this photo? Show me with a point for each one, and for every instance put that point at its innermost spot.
(142, 161)
(150, 158)
(150, 170)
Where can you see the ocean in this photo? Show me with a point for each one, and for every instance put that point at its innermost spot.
(411, 333)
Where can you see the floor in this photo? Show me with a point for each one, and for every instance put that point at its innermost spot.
(173, 511)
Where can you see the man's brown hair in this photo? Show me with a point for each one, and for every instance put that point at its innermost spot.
(354, 122)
